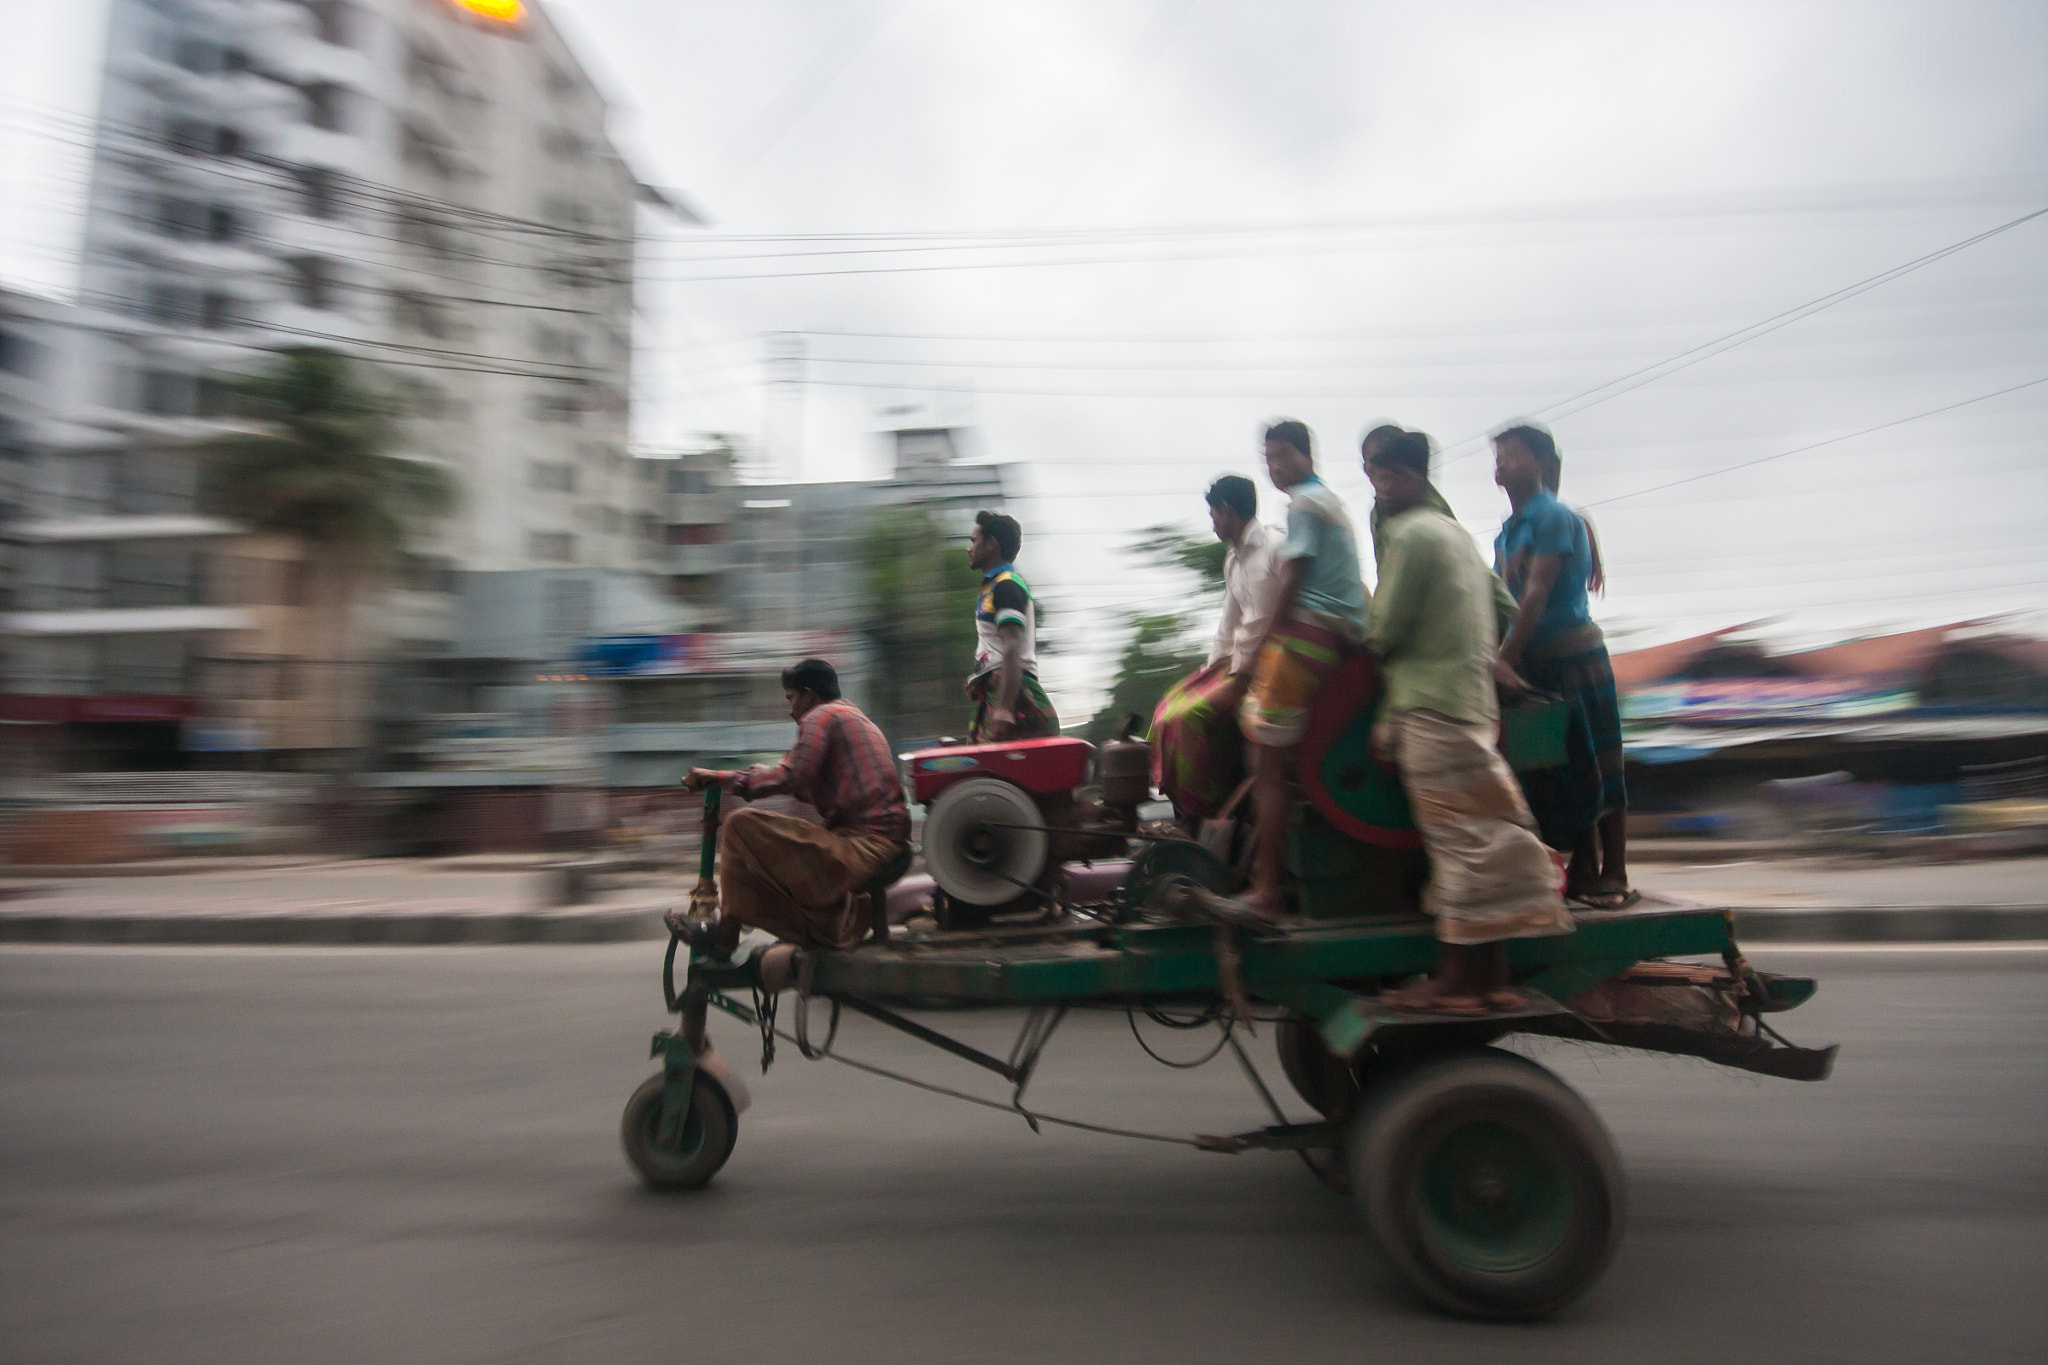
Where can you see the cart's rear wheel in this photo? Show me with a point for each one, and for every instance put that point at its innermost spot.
(1488, 1184)
(707, 1138)
(1318, 1075)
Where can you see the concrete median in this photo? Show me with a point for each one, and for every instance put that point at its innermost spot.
(402, 925)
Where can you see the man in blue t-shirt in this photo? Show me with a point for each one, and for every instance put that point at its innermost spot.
(1544, 553)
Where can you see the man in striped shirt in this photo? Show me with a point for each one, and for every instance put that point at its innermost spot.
(788, 876)
(1009, 702)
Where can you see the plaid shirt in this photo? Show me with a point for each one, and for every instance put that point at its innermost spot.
(841, 766)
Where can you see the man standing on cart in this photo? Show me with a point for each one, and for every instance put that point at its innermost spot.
(1546, 555)
(1433, 629)
(1008, 701)
(788, 876)
(1318, 616)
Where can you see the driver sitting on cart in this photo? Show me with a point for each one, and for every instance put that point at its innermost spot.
(793, 878)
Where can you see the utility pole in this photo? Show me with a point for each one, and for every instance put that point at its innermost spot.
(783, 426)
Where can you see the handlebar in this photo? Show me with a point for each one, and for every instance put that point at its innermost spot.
(707, 860)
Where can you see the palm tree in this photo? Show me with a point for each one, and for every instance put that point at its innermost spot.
(312, 478)
(319, 472)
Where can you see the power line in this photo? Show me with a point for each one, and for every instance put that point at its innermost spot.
(1635, 379)
(1903, 196)
(100, 132)
(287, 250)
(1407, 334)
(1368, 368)
(128, 333)
(1816, 445)
(118, 302)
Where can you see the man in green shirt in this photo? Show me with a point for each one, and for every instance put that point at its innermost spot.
(1433, 629)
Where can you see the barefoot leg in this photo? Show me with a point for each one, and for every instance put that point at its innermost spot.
(778, 968)
(1614, 851)
(1458, 986)
(1269, 801)
(1582, 874)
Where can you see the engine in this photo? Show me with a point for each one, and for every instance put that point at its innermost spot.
(1001, 819)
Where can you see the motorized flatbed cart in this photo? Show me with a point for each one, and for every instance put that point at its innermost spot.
(1487, 1183)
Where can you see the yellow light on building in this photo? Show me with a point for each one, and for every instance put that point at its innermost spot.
(504, 11)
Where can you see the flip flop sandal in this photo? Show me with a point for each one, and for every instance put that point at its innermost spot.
(1453, 1005)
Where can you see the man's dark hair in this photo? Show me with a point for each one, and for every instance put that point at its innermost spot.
(815, 676)
(1287, 431)
(1540, 443)
(1237, 493)
(1003, 530)
(1406, 449)
(1384, 431)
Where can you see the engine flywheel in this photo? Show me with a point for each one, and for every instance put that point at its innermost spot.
(984, 841)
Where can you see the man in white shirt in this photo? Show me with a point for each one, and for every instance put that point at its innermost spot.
(1198, 751)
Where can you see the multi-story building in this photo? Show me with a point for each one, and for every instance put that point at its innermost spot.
(798, 544)
(771, 571)
(424, 185)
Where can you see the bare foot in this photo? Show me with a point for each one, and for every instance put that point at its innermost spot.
(1268, 904)
(1432, 996)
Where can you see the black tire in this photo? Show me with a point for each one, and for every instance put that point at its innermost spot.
(1320, 1077)
(708, 1135)
(1488, 1184)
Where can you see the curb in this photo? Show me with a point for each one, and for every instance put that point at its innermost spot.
(390, 929)
(286, 862)
(1891, 924)
(636, 923)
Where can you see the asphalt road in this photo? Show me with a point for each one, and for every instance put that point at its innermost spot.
(411, 1155)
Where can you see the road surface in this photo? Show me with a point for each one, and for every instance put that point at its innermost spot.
(410, 1155)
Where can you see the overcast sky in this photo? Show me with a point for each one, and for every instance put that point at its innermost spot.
(1118, 235)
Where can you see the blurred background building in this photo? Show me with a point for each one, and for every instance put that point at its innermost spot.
(401, 180)
(776, 571)
(1933, 732)
(411, 183)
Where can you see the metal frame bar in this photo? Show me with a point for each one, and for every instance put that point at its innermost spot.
(1013, 1074)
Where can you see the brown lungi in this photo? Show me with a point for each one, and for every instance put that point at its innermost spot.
(1490, 877)
(791, 877)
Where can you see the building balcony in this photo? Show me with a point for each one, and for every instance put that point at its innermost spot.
(293, 231)
(127, 621)
(304, 145)
(701, 509)
(302, 59)
(701, 737)
(405, 615)
(170, 82)
(81, 530)
(694, 560)
(195, 256)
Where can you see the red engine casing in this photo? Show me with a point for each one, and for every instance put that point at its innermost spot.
(1040, 766)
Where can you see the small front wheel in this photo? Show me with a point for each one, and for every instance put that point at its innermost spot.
(1487, 1182)
(707, 1138)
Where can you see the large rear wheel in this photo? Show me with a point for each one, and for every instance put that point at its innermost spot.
(706, 1140)
(1318, 1075)
(1489, 1185)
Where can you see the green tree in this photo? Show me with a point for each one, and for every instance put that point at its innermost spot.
(1167, 547)
(312, 468)
(919, 619)
(1162, 647)
(318, 468)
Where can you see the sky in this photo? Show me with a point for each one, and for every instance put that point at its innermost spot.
(1119, 236)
